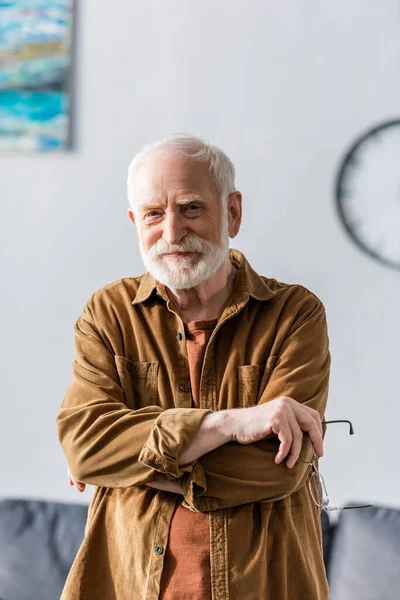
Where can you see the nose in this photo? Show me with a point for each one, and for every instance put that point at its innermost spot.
(174, 228)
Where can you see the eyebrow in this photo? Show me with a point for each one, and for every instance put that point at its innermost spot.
(189, 199)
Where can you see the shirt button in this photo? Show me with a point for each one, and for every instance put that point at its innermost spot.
(158, 549)
(183, 387)
(179, 336)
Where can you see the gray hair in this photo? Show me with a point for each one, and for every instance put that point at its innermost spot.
(221, 167)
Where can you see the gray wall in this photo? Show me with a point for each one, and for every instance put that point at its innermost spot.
(283, 88)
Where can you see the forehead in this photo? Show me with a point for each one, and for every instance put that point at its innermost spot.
(173, 176)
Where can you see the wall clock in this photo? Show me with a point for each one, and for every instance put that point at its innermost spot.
(368, 192)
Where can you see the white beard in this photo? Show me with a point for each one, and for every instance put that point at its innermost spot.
(183, 273)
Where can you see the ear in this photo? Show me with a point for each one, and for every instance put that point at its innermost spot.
(131, 216)
(234, 213)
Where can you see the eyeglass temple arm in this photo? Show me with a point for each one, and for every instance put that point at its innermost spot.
(340, 421)
(346, 507)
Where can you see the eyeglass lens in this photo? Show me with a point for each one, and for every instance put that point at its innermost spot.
(317, 489)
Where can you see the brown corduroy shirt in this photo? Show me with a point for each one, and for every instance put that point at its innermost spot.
(126, 418)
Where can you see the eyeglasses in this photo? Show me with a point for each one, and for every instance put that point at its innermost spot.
(316, 481)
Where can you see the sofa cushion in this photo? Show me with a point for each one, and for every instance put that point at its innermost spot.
(365, 555)
(38, 543)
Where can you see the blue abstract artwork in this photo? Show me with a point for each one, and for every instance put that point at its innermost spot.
(35, 50)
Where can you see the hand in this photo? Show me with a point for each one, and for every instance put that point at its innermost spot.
(80, 486)
(284, 417)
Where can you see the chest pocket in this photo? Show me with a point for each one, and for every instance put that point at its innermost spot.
(139, 381)
(252, 380)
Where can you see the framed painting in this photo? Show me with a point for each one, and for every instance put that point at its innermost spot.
(35, 59)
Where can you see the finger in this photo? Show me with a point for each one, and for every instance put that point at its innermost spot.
(319, 423)
(317, 418)
(313, 413)
(285, 437)
(297, 436)
(312, 426)
(79, 485)
(315, 436)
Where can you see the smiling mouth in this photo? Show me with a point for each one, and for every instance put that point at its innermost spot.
(179, 253)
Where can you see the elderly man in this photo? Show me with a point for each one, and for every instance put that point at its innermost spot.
(198, 388)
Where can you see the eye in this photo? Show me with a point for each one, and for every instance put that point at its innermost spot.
(192, 207)
(152, 213)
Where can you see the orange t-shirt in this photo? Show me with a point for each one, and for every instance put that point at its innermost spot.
(186, 573)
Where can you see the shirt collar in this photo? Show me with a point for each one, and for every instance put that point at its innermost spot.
(247, 283)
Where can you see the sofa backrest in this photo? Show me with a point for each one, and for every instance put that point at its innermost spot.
(39, 540)
(38, 543)
(364, 562)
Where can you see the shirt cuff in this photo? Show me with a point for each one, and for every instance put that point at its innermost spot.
(194, 485)
(172, 433)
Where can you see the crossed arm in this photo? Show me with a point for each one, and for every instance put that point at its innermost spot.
(215, 430)
(95, 427)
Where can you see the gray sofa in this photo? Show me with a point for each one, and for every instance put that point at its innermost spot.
(39, 540)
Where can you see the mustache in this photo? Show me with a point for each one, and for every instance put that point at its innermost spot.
(189, 244)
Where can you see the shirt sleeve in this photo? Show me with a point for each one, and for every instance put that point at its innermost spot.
(236, 474)
(105, 442)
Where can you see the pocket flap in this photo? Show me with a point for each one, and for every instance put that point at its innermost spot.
(136, 368)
